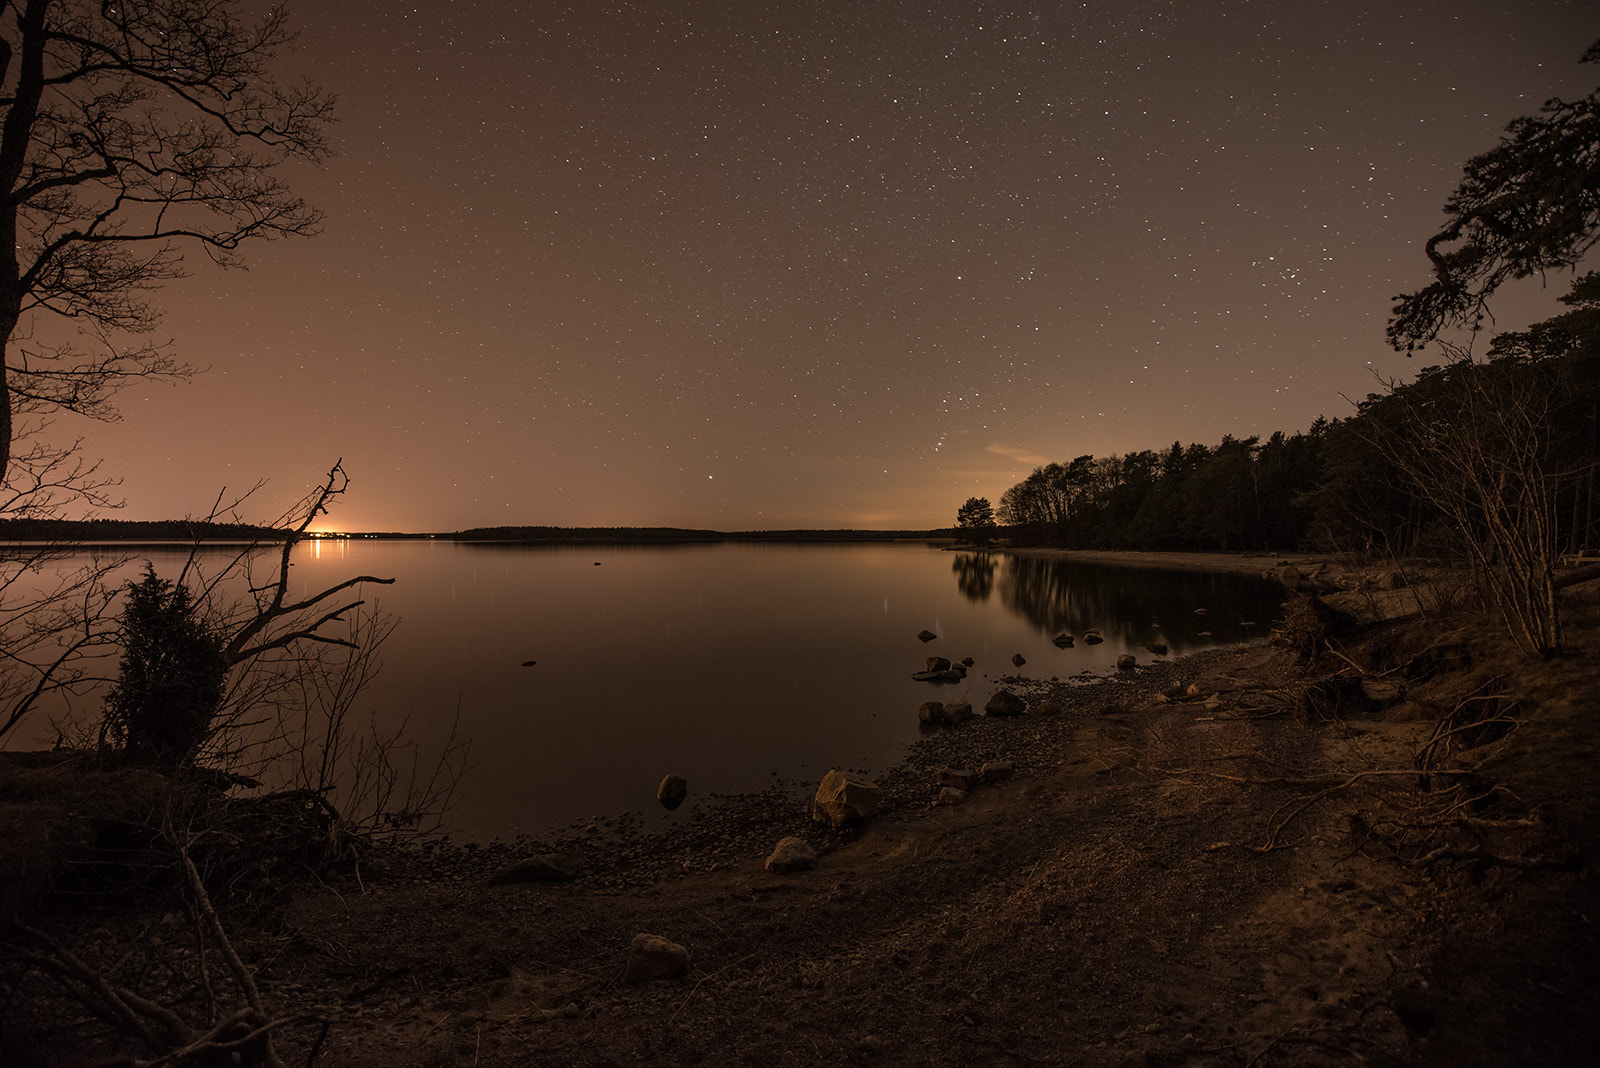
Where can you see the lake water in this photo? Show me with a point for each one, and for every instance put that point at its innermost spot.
(727, 664)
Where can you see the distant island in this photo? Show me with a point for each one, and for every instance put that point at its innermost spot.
(188, 530)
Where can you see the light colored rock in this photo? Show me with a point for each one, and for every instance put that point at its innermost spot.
(543, 868)
(672, 791)
(652, 957)
(843, 799)
(960, 778)
(1287, 575)
(949, 797)
(998, 771)
(792, 854)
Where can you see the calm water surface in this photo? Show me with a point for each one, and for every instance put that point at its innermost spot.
(727, 664)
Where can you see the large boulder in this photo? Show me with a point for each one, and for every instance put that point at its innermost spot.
(1005, 703)
(672, 791)
(1287, 575)
(792, 854)
(956, 714)
(844, 799)
(652, 957)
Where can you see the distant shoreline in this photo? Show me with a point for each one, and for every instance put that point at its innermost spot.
(1239, 563)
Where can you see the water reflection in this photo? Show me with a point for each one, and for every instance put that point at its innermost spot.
(731, 665)
(974, 575)
(1137, 606)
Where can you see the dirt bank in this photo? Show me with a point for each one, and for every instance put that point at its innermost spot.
(1255, 873)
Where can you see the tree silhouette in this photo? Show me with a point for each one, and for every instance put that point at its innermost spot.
(1527, 206)
(129, 131)
(975, 519)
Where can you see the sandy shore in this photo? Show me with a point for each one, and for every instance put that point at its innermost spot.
(1234, 563)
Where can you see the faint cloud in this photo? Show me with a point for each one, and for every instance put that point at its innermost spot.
(1020, 455)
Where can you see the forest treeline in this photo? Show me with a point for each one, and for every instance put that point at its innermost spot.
(164, 530)
(665, 535)
(1386, 480)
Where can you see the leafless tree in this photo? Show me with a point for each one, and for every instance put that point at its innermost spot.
(130, 131)
(1474, 440)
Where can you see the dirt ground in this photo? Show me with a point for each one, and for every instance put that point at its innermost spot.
(1251, 873)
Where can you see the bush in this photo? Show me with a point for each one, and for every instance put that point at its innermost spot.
(173, 678)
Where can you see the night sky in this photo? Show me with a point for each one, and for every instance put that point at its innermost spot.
(824, 264)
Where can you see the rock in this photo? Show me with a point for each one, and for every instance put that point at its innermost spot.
(1175, 690)
(1092, 637)
(1383, 693)
(926, 636)
(1287, 575)
(1194, 690)
(932, 713)
(1199, 611)
(998, 771)
(543, 868)
(1204, 634)
(1017, 660)
(529, 663)
(938, 663)
(1126, 662)
(958, 713)
(1063, 640)
(1156, 648)
(948, 675)
(842, 799)
(652, 957)
(949, 797)
(792, 854)
(1213, 702)
(1391, 580)
(959, 778)
(672, 791)
(1005, 703)
(967, 661)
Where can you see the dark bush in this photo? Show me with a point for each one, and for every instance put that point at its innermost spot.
(173, 675)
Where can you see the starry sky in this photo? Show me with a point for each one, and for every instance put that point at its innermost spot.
(823, 263)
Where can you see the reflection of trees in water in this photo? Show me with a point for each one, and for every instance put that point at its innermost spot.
(974, 575)
(1136, 605)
